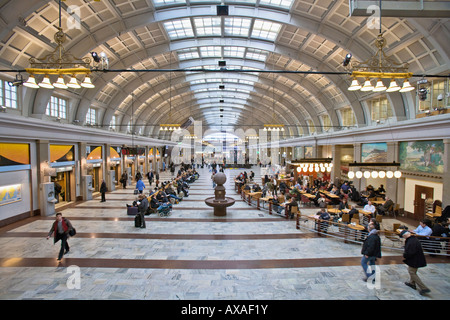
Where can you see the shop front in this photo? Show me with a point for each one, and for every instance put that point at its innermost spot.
(63, 161)
(94, 168)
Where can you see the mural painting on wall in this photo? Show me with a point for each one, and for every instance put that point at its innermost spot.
(422, 156)
(374, 152)
(309, 152)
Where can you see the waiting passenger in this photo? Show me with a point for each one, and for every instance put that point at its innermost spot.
(423, 229)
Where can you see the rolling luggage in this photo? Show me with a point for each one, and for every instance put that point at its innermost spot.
(132, 211)
(137, 221)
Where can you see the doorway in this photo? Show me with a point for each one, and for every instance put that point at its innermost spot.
(421, 193)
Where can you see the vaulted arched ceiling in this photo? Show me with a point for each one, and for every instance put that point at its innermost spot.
(257, 35)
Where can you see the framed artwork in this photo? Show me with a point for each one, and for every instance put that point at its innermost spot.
(10, 194)
(374, 152)
(422, 156)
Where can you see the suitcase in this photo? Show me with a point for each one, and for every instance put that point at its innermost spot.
(132, 211)
(137, 221)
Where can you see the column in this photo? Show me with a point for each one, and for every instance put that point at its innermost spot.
(155, 163)
(146, 166)
(357, 158)
(336, 169)
(446, 175)
(46, 187)
(136, 164)
(108, 174)
(392, 184)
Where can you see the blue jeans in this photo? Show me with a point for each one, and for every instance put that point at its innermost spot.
(365, 262)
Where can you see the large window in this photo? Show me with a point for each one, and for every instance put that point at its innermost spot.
(347, 117)
(57, 107)
(113, 123)
(311, 126)
(91, 116)
(326, 122)
(380, 109)
(8, 95)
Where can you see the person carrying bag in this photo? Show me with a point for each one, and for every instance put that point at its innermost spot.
(61, 229)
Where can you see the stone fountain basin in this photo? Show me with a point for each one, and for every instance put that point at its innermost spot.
(213, 202)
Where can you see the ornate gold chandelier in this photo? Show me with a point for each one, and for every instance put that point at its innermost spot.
(61, 63)
(379, 67)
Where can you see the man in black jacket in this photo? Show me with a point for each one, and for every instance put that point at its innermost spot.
(103, 189)
(371, 250)
(415, 259)
(142, 208)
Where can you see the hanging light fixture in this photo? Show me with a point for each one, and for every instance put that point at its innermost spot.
(59, 62)
(367, 85)
(46, 83)
(374, 173)
(87, 83)
(406, 86)
(393, 86)
(379, 66)
(31, 83)
(60, 83)
(73, 83)
(355, 85)
(379, 86)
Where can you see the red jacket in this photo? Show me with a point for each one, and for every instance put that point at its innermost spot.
(54, 229)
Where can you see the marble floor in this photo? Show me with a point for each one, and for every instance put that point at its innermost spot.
(193, 255)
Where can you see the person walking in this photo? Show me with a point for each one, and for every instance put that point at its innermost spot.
(371, 250)
(103, 190)
(142, 208)
(140, 186)
(124, 180)
(60, 230)
(414, 259)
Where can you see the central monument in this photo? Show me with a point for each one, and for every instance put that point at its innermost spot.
(219, 202)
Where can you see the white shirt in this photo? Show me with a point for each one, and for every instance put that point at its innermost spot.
(370, 208)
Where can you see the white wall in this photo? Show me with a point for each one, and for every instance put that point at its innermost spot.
(374, 182)
(410, 185)
(19, 207)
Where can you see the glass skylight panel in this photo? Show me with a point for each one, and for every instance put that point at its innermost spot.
(208, 26)
(211, 51)
(277, 3)
(266, 30)
(208, 1)
(234, 52)
(186, 54)
(237, 27)
(179, 28)
(167, 2)
(212, 80)
(256, 54)
(250, 83)
(200, 81)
